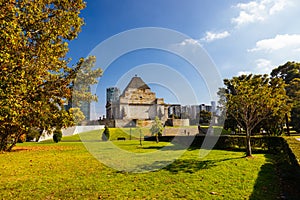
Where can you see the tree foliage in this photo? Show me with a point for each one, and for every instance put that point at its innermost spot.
(85, 77)
(81, 87)
(204, 116)
(290, 73)
(35, 79)
(251, 99)
(229, 121)
(76, 115)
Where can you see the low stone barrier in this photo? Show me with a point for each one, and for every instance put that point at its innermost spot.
(72, 131)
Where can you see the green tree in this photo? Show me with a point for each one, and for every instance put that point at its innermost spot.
(205, 116)
(86, 76)
(253, 98)
(157, 128)
(35, 79)
(230, 123)
(274, 125)
(80, 87)
(290, 73)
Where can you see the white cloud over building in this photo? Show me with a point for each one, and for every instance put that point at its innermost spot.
(212, 36)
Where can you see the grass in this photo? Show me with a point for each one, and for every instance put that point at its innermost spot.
(115, 133)
(294, 144)
(68, 171)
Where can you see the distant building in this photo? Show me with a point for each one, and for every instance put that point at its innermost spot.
(137, 102)
(174, 110)
(112, 94)
(213, 106)
(137, 105)
(191, 111)
(195, 110)
(85, 108)
(207, 108)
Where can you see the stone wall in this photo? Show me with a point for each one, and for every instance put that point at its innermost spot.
(72, 131)
(80, 129)
(119, 123)
(138, 96)
(169, 131)
(144, 123)
(178, 122)
(107, 122)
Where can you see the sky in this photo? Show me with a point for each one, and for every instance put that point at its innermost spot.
(192, 45)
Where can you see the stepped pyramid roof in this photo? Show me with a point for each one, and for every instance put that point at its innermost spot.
(137, 83)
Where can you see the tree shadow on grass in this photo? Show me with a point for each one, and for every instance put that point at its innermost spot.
(192, 165)
(167, 148)
(237, 149)
(189, 166)
(277, 179)
(154, 147)
(185, 165)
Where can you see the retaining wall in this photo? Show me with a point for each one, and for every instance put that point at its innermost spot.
(72, 131)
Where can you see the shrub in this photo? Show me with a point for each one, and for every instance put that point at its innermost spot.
(57, 135)
(105, 134)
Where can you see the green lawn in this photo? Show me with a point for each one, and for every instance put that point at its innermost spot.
(68, 171)
(294, 144)
(127, 133)
(115, 133)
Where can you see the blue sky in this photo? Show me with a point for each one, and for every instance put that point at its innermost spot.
(239, 36)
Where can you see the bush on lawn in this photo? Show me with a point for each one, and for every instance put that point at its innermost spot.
(57, 135)
(105, 134)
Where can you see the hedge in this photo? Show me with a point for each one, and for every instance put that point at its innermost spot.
(293, 149)
(269, 144)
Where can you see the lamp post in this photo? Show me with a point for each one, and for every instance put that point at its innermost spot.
(141, 137)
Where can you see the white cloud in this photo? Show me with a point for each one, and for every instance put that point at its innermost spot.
(263, 63)
(278, 6)
(263, 66)
(297, 50)
(258, 10)
(189, 42)
(279, 42)
(186, 46)
(244, 73)
(210, 36)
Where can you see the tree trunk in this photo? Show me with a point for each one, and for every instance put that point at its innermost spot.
(157, 140)
(287, 125)
(248, 143)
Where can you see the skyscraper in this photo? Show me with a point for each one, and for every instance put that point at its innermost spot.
(112, 94)
(86, 110)
(85, 106)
